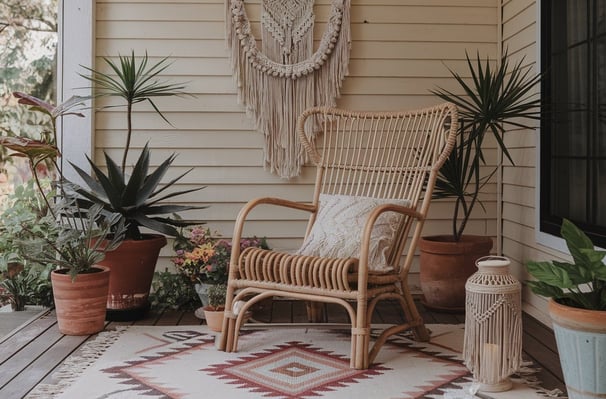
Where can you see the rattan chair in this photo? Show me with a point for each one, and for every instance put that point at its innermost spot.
(388, 157)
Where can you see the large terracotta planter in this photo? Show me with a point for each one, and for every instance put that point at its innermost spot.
(80, 304)
(446, 265)
(581, 340)
(132, 264)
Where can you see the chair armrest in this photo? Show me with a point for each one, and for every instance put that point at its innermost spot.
(250, 205)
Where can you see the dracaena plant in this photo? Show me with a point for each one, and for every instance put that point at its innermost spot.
(136, 196)
(580, 284)
(495, 98)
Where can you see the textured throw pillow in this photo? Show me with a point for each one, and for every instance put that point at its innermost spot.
(339, 226)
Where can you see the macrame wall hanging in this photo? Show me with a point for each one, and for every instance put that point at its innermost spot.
(286, 76)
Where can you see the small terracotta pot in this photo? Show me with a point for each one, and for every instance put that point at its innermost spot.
(80, 304)
(445, 266)
(214, 318)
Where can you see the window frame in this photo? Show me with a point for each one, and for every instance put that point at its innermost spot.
(548, 237)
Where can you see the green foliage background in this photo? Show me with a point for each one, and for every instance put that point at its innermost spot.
(28, 58)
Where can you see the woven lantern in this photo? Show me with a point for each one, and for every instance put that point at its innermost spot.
(492, 348)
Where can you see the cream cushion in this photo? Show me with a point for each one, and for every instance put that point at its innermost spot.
(339, 227)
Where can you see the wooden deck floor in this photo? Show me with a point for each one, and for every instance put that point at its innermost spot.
(30, 355)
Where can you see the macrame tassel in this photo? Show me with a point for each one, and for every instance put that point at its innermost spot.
(286, 77)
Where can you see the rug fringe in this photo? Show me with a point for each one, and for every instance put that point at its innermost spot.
(74, 366)
(525, 375)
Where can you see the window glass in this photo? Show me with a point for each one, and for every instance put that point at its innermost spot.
(573, 129)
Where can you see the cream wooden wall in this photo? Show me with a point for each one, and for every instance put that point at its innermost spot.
(400, 51)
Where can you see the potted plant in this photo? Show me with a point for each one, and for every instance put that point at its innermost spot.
(494, 98)
(213, 312)
(138, 196)
(31, 203)
(204, 259)
(577, 307)
(80, 242)
(63, 234)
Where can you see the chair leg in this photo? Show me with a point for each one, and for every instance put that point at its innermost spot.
(226, 340)
(421, 333)
(360, 340)
(412, 315)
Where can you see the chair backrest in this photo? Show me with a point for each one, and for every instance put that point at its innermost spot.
(389, 155)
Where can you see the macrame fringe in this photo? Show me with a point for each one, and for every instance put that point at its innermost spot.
(72, 368)
(277, 83)
(492, 318)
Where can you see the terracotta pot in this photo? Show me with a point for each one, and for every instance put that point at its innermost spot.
(581, 339)
(446, 265)
(132, 264)
(80, 304)
(214, 318)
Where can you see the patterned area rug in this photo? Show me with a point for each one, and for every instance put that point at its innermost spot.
(285, 362)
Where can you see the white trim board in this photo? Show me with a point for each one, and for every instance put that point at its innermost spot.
(75, 48)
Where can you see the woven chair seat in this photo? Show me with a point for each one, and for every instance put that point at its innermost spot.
(282, 270)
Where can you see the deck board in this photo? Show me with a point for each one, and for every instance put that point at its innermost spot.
(33, 353)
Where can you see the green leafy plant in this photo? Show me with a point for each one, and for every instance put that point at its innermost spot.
(172, 291)
(135, 197)
(24, 281)
(494, 98)
(29, 287)
(29, 212)
(581, 284)
(216, 296)
(81, 239)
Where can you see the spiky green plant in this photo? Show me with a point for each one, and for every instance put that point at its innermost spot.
(134, 83)
(135, 197)
(494, 99)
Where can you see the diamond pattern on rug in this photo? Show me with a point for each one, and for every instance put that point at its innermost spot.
(293, 369)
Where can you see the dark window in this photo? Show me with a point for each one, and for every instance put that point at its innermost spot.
(573, 129)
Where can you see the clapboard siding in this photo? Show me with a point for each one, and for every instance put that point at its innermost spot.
(401, 50)
(520, 183)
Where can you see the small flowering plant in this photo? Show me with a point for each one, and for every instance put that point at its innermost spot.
(204, 258)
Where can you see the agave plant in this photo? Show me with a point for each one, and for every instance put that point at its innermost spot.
(135, 197)
(495, 98)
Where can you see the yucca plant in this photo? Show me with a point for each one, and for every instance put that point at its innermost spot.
(495, 98)
(135, 197)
